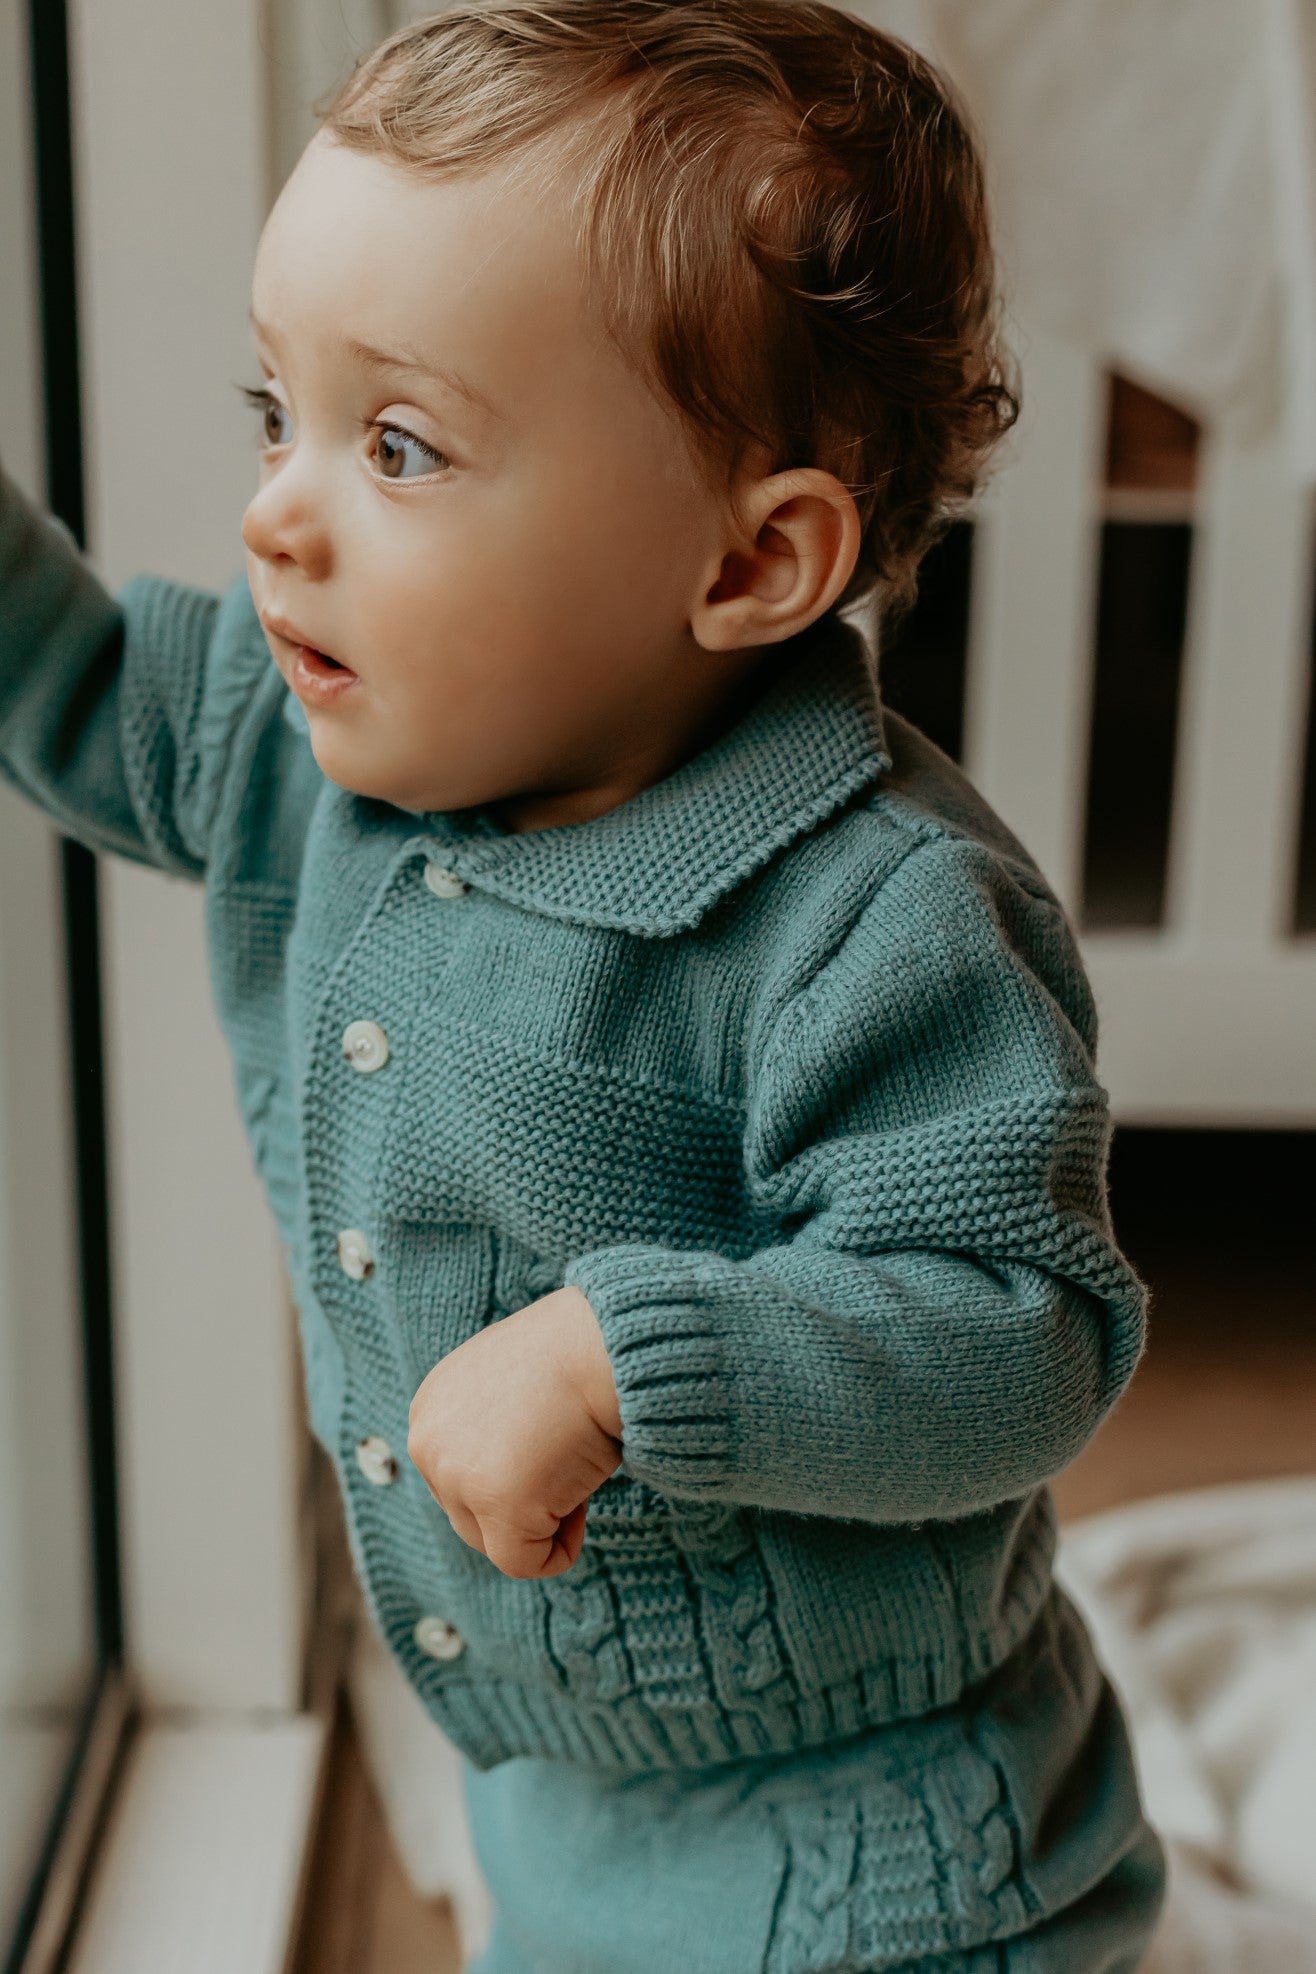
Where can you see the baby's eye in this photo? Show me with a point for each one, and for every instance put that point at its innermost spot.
(271, 412)
(391, 453)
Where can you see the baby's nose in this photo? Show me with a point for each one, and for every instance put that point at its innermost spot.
(283, 523)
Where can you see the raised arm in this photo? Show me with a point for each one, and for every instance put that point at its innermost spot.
(944, 1318)
(108, 720)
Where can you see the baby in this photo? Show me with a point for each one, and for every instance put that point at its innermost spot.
(673, 1083)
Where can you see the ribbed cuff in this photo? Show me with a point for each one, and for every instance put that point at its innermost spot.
(661, 1330)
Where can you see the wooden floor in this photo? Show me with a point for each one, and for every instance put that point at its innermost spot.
(1218, 1225)
(362, 1916)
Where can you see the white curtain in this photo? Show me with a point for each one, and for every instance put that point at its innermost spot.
(1153, 168)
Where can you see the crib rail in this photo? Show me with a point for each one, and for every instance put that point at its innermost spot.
(1209, 1017)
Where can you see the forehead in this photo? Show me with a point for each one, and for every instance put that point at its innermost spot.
(480, 271)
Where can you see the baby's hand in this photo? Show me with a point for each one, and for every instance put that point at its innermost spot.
(513, 1431)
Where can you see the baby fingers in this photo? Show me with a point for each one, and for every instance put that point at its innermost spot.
(520, 1553)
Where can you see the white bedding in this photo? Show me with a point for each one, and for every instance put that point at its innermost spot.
(1203, 1608)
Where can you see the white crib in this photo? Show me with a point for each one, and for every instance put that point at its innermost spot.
(1209, 1017)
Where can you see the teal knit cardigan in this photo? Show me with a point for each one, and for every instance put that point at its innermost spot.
(787, 1063)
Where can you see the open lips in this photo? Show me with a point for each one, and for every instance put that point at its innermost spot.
(315, 675)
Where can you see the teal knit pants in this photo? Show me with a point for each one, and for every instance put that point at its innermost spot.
(1003, 1833)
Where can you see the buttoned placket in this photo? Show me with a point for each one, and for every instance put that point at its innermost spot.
(364, 1046)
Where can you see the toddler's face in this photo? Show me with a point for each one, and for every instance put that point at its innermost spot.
(470, 502)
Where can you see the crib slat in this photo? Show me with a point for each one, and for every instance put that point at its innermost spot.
(1031, 637)
(1190, 1039)
(1233, 838)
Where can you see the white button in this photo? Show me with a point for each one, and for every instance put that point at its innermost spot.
(374, 1456)
(354, 1254)
(445, 883)
(365, 1045)
(439, 1639)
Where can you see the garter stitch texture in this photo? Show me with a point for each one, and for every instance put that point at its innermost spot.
(788, 1063)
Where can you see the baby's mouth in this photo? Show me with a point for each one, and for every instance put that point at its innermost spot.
(317, 678)
(318, 663)
(312, 669)
(322, 660)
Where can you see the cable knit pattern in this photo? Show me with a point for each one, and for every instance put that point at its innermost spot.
(919, 1858)
(789, 1064)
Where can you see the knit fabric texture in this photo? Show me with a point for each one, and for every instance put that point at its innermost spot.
(788, 1063)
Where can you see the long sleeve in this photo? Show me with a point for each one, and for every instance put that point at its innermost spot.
(940, 1317)
(109, 720)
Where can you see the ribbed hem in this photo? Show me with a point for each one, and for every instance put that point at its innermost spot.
(494, 1720)
(661, 1331)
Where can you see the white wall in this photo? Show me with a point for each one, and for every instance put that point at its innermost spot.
(172, 188)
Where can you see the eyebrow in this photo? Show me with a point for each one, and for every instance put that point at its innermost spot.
(403, 359)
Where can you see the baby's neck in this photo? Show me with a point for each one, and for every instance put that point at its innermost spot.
(551, 808)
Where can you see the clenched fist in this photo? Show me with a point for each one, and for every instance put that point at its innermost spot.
(513, 1431)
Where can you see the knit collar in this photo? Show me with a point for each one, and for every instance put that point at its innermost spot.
(812, 737)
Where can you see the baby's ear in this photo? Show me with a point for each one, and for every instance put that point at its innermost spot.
(796, 549)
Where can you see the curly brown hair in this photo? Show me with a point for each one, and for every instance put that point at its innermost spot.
(782, 219)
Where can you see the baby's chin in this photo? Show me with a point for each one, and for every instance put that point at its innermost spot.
(353, 771)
